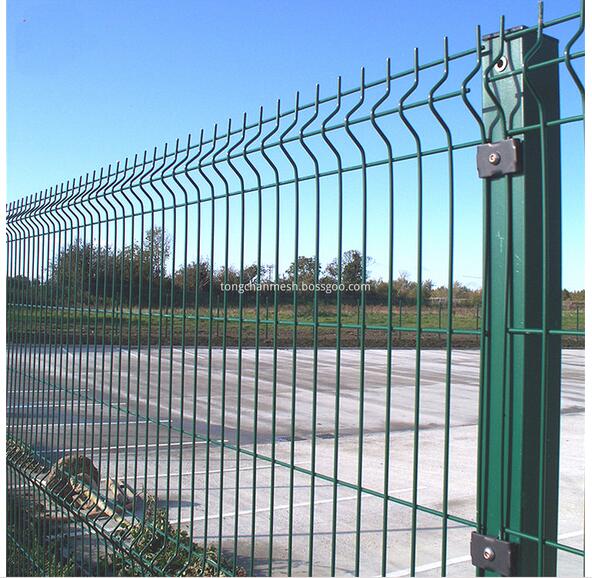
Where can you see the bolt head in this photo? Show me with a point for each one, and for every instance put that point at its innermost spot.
(495, 158)
(501, 64)
(488, 553)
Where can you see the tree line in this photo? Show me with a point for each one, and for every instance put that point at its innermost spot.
(141, 276)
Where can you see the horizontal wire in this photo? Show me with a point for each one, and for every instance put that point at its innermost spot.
(348, 92)
(551, 543)
(242, 450)
(273, 144)
(324, 174)
(288, 323)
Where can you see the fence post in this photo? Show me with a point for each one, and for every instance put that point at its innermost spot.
(519, 427)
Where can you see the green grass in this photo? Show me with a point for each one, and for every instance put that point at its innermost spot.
(92, 326)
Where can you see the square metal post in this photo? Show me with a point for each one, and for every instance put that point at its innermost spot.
(519, 442)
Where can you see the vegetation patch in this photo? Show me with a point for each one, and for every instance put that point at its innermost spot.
(49, 534)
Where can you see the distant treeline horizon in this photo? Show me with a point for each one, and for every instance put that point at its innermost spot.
(147, 274)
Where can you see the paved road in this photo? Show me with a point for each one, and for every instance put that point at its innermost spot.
(246, 409)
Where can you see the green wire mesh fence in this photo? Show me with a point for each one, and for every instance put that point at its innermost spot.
(216, 366)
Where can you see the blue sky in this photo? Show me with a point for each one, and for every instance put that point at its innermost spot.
(91, 82)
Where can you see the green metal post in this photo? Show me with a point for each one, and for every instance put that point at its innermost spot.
(521, 384)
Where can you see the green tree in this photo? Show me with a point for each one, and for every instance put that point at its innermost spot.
(308, 268)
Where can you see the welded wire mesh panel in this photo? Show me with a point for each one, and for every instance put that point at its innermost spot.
(259, 351)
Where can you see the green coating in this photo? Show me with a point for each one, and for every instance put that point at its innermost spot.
(417, 395)
(101, 325)
(520, 431)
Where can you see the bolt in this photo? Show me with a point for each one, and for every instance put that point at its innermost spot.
(488, 553)
(501, 64)
(495, 158)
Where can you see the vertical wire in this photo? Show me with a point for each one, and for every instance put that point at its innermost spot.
(25, 384)
(130, 305)
(21, 300)
(33, 283)
(276, 174)
(10, 317)
(337, 156)
(102, 312)
(362, 323)
(171, 166)
(64, 307)
(80, 280)
(186, 171)
(31, 412)
(78, 276)
(97, 300)
(418, 322)
(131, 183)
(13, 507)
(484, 328)
(507, 307)
(486, 75)
(14, 363)
(127, 183)
(49, 441)
(257, 174)
(177, 167)
(449, 327)
(43, 273)
(70, 315)
(16, 383)
(41, 382)
(158, 254)
(238, 174)
(294, 328)
(146, 240)
(61, 306)
(567, 53)
(541, 522)
(113, 316)
(102, 404)
(210, 334)
(239, 341)
(160, 270)
(108, 490)
(389, 335)
(257, 362)
(507, 354)
(89, 188)
(27, 335)
(224, 335)
(315, 337)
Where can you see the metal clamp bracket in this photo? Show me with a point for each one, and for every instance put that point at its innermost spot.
(499, 158)
(489, 553)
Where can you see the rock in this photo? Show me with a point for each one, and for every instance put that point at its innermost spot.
(70, 471)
